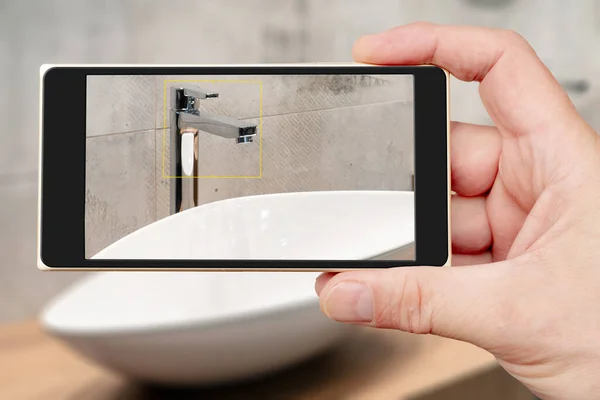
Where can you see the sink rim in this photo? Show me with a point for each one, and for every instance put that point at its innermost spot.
(271, 196)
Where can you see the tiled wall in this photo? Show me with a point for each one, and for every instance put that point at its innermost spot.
(120, 152)
(318, 133)
(206, 31)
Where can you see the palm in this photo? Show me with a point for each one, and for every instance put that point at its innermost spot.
(512, 197)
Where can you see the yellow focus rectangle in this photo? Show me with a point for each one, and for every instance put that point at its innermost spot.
(213, 81)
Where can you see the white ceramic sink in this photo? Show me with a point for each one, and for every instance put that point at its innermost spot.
(211, 327)
(342, 225)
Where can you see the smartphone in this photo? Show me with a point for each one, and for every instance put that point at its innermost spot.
(288, 167)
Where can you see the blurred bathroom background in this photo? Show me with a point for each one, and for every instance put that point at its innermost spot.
(565, 35)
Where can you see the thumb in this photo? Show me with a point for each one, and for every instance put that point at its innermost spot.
(466, 303)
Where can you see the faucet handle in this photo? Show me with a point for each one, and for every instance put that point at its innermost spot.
(184, 99)
(199, 94)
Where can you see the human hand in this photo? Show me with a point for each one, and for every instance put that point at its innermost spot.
(525, 221)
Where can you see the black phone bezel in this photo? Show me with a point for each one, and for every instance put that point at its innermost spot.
(62, 167)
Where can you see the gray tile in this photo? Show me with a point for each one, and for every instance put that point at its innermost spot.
(120, 187)
(162, 173)
(338, 149)
(118, 104)
(247, 96)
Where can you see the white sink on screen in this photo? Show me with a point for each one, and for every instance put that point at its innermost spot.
(343, 225)
(204, 328)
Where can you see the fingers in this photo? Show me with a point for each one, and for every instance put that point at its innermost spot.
(459, 303)
(474, 154)
(469, 53)
(519, 92)
(471, 232)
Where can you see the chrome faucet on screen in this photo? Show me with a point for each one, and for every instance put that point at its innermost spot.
(283, 166)
(188, 119)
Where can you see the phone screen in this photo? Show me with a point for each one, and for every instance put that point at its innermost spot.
(265, 167)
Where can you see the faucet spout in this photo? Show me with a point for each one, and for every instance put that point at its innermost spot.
(224, 127)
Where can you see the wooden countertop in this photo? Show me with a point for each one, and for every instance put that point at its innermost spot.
(373, 364)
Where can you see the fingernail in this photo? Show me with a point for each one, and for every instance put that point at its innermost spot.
(350, 302)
